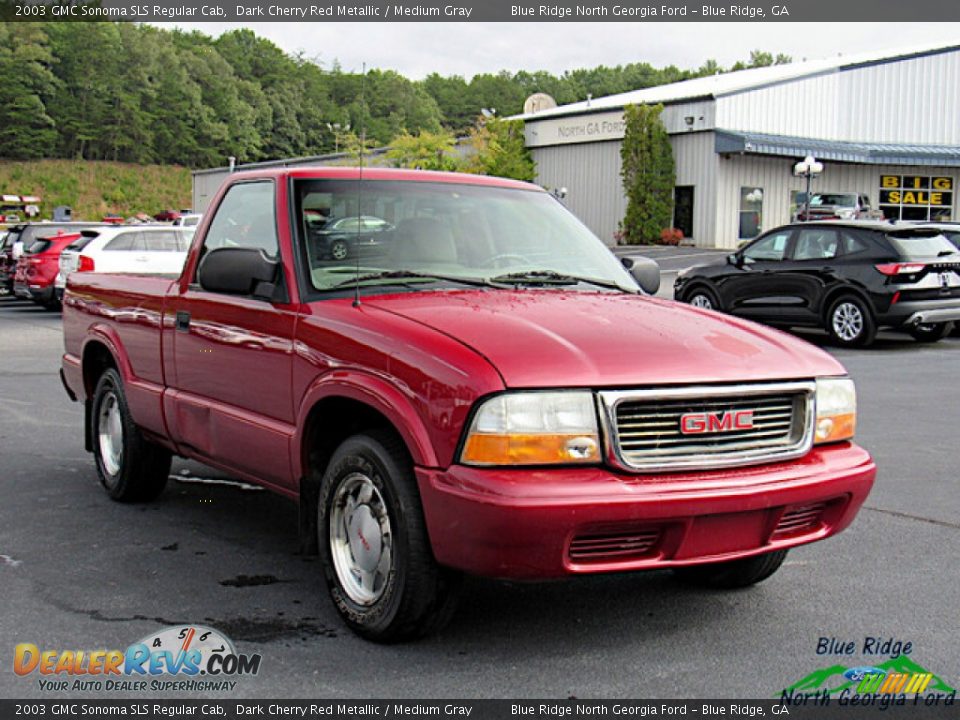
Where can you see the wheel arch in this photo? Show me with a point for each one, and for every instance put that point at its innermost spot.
(701, 284)
(332, 411)
(834, 294)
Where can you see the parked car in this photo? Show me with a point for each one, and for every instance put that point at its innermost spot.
(347, 237)
(848, 277)
(190, 220)
(838, 206)
(136, 250)
(113, 219)
(495, 395)
(167, 215)
(950, 230)
(25, 236)
(7, 262)
(36, 269)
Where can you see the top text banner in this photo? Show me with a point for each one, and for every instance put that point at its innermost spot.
(483, 11)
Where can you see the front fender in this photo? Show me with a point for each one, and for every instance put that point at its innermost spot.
(379, 394)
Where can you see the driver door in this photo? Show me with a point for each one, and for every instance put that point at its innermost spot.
(753, 288)
(232, 371)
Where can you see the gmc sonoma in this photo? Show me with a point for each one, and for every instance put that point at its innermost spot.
(491, 391)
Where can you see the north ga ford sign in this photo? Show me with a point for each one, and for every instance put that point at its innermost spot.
(586, 128)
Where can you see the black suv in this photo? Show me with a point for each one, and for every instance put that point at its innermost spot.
(848, 277)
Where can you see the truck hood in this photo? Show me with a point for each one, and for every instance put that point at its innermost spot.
(549, 338)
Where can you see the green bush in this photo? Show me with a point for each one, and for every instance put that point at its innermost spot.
(648, 174)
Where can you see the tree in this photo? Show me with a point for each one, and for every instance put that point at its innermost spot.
(26, 128)
(424, 151)
(648, 175)
(498, 148)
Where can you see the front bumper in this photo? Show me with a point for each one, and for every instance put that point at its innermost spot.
(540, 523)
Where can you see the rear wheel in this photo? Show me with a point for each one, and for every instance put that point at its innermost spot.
(131, 468)
(703, 298)
(930, 332)
(850, 322)
(733, 574)
(374, 547)
(339, 250)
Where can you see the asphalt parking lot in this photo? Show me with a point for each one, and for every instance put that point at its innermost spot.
(79, 571)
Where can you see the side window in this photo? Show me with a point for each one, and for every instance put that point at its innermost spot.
(770, 248)
(245, 218)
(816, 244)
(851, 245)
(122, 242)
(165, 241)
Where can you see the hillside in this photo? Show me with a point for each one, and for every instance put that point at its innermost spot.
(94, 189)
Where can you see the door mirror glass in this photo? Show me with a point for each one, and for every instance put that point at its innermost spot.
(239, 271)
(645, 271)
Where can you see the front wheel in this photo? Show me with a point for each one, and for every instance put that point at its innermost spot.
(850, 322)
(704, 299)
(374, 547)
(735, 573)
(930, 332)
(131, 468)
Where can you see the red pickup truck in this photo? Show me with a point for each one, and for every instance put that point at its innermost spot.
(479, 386)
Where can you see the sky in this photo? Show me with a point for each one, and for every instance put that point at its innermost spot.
(418, 49)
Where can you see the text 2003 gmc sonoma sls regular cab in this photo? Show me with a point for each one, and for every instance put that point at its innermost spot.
(451, 374)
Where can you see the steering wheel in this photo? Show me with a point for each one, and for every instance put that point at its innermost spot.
(491, 261)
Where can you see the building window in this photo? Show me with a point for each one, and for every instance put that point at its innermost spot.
(916, 197)
(751, 212)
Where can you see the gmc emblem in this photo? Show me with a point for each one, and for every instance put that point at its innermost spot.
(701, 423)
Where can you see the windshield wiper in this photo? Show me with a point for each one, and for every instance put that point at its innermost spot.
(413, 275)
(551, 277)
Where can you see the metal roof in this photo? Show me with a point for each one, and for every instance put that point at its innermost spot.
(728, 141)
(714, 86)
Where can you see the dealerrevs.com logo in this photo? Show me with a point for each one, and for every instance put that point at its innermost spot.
(186, 658)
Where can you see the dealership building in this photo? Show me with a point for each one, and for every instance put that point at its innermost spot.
(885, 125)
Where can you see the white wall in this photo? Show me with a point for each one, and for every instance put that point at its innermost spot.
(908, 101)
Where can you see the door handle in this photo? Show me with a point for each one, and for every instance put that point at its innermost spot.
(183, 321)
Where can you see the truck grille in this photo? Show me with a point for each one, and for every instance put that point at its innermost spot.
(708, 427)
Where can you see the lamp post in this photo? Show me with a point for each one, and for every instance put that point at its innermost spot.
(809, 168)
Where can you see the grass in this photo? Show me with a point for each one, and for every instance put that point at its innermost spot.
(94, 189)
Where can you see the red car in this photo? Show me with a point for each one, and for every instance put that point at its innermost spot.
(36, 270)
(167, 216)
(492, 393)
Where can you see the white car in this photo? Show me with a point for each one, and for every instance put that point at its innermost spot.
(152, 250)
(190, 220)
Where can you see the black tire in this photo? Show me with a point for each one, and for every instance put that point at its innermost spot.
(930, 332)
(733, 574)
(416, 596)
(703, 297)
(850, 323)
(140, 472)
(339, 250)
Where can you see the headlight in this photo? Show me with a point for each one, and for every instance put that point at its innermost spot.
(836, 410)
(534, 428)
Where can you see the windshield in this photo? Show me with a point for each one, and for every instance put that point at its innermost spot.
(836, 199)
(922, 246)
(421, 232)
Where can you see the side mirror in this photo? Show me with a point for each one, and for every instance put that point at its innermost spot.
(239, 271)
(733, 259)
(645, 271)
